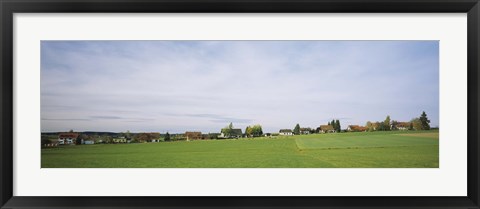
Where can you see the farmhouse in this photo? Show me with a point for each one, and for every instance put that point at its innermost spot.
(193, 135)
(286, 132)
(326, 129)
(68, 138)
(121, 139)
(305, 130)
(356, 128)
(403, 126)
(236, 133)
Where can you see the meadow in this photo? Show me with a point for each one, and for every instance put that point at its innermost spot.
(389, 149)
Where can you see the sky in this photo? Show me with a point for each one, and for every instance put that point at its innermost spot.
(178, 86)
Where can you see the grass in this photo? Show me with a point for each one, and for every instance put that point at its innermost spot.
(342, 150)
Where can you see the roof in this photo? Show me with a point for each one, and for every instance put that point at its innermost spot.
(236, 131)
(326, 127)
(285, 130)
(403, 124)
(193, 134)
(357, 128)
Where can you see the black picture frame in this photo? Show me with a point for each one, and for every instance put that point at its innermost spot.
(10, 7)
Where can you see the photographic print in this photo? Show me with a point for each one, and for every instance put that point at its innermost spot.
(239, 104)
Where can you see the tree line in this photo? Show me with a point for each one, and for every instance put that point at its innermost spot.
(418, 123)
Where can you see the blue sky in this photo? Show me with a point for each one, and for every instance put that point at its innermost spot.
(180, 86)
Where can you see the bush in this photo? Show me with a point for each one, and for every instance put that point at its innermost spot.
(46, 141)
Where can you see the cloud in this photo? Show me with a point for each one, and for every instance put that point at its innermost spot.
(66, 119)
(106, 117)
(220, 119)
(203, 85)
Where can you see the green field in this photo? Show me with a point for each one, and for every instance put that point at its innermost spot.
(395, 149)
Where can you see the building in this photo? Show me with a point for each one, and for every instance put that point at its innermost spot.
(305, 130)
(69, 138)
(193, 135)
(121, 139)
(286, 132)
(235, 133)
(403, 126)
(326, 129)
(356, 128)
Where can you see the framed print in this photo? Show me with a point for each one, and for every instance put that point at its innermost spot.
(239, 104)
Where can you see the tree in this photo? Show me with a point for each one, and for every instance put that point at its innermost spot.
(296, 130)
(386, 123)
(249, 131)
(425, 121)
(394, 124)
(416, 124)
(369, 126)
(381, 126)
(376, 126)
(46, 141)
(337, 127)
(127, 135)
(227, 131)
(213, 135)
(257, 130)
(108, 139)
(167, 137)
(333, 124)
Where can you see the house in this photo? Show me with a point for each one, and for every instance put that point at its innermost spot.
(305, 130)
(356, 128)
(286, 132)
(178, 137)
(193, 135)
(69, 138)
(236, 133)
(326, 129)
(403, 126)
(121, 139)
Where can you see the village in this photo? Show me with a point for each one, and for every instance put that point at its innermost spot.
(228, 132)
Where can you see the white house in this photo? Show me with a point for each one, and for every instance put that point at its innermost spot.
(326, 129)
(286, 132)
(67, 138)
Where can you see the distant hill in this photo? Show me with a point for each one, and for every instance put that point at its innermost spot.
(86, 132)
